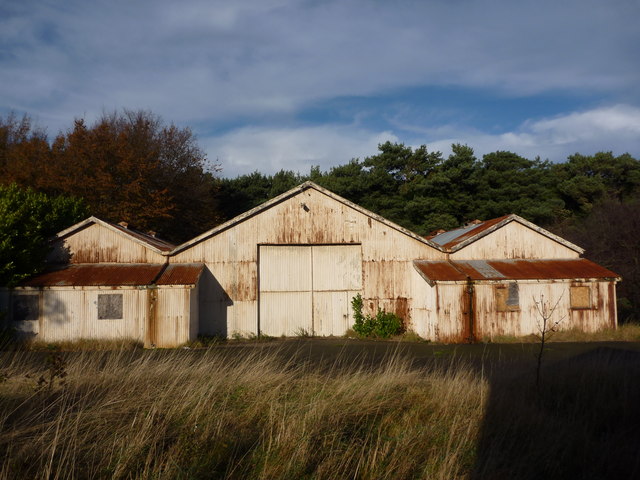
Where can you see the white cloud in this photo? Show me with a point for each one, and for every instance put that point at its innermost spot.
(610, 128)
(269, 150)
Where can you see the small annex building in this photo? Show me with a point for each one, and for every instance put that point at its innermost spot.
(292, 265)
(105, 281)
(498, 270)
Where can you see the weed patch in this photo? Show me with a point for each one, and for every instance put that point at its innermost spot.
(382, 325)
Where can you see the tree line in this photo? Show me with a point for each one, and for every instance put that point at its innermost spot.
(131, 166)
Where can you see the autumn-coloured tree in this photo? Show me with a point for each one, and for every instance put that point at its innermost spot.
(23, 149)
(131, 167)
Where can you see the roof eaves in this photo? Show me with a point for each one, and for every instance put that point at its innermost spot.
(74, 228)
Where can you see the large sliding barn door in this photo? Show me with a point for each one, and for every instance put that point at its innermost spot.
(308, 288)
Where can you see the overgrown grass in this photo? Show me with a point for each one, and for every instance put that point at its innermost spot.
(208, 415)
(628, 332)
(264, 413)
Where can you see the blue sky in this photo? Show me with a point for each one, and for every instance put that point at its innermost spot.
(272, 84)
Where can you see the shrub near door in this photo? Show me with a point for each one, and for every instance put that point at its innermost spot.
(382, 325)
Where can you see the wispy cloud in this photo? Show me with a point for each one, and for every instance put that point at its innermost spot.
(612, 128)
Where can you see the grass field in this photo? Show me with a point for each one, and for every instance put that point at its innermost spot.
(322, 409)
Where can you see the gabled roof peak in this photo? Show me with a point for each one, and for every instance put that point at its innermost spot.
(149, 241)
(290, 193)
(456, 239)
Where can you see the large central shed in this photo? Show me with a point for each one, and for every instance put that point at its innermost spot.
(292, 265)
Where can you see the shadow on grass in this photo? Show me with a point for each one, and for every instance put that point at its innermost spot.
(583, 422)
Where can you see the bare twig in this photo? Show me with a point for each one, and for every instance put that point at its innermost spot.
(546, 327)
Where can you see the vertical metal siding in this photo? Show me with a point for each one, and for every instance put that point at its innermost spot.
(194, 314)
(308, 288)
(527, 320)
(337, 267)
(172, 317)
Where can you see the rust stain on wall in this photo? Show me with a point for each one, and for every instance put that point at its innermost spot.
(612, 304)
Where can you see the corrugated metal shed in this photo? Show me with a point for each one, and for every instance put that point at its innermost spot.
(106, 275)
(477, 270)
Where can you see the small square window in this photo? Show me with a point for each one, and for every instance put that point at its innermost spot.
(580, 297)
(110, 306)
(25, 307)
(507, 298)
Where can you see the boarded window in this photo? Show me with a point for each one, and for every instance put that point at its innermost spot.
(25, 307)
(507, 298)
(110, 306)
(580, 297)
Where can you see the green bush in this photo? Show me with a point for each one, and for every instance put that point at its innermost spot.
(383, 325)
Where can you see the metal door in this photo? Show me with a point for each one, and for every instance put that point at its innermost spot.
(308, 288)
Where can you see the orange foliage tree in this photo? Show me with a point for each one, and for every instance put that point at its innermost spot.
(127, 166)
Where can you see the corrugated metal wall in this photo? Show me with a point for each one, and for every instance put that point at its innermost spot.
(72, 314)
(173, 319)
(449, 321)
(526, 320)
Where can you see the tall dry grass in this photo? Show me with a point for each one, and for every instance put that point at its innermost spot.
(262, 412)
(232, 414)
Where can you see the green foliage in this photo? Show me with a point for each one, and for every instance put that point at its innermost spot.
(27, 220)
(424, 191)
(382, 325)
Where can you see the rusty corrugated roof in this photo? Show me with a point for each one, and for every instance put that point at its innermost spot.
(439, 270)
(181, 274)
(453, 237)
(114, 275)
(516, 269)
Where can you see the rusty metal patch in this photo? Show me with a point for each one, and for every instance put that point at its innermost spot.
(181, 274)
(113, 275)
(460, 270)
(439, 270)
